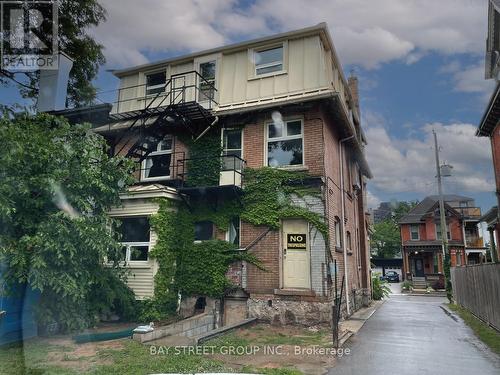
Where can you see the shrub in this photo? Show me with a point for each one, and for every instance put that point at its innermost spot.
(379, 288)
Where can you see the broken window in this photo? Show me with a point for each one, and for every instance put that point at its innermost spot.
(284, 143)
(157, 165)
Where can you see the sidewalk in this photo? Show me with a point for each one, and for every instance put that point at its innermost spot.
(353, 324)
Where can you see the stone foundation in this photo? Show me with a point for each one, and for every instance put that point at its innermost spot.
(282, 312)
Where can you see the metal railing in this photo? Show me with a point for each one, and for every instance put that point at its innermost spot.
(230, 168)
(179, 88)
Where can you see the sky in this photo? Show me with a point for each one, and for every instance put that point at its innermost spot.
(420, 65)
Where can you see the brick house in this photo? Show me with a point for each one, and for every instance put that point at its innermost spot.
(489, 126)
(280, 101)
(421, 238)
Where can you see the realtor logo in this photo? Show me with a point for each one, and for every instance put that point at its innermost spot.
(29, 35)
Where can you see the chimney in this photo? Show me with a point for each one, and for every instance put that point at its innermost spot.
(352, 82)
(53, 85)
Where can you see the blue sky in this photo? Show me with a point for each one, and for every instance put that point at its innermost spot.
(419, 63)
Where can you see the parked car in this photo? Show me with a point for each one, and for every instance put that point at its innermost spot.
(392, 276)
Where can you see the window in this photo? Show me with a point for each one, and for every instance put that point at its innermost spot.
(203, 230)
(155, 83)
(338, 234)
(135, 238)
(233, 233)
(268, 60)
(438, 231)
(284, 143)
(232, 146)
(414, 232)
(436, 260)
(348, 242)
(207, 84)
(157, 165)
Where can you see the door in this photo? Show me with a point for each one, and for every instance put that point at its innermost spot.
(232, 153)
(296, 254)
(206, 82)
(419, 267)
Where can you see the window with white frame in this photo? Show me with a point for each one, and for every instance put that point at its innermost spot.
(233, 232)
(155, 82)
(135, 238)
(285, 143)
(157, 166)
(414, 234)
(232, 149)
(269, 60)
(438, 231)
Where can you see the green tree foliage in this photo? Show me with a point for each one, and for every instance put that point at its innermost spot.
(76, 18)
(56, 185)
(386, 237)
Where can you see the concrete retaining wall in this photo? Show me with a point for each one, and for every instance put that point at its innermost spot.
(190, 327)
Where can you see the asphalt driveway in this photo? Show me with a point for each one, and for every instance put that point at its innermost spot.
(413, 335)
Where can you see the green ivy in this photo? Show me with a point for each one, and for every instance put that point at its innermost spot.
(268, 196)
(193, 268)
(205, 162)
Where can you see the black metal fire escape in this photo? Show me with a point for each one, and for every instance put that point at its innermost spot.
(176, 106)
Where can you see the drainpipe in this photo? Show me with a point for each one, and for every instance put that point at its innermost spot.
(342, 202)
(216, 120)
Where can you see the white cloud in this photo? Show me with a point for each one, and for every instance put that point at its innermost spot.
(372, 200)
(366, 33)
(471, 80)
(407, 164)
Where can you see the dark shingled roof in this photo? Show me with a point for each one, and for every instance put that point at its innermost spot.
(421, 209)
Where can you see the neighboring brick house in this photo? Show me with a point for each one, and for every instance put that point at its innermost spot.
(280, 101)
(421, 238)
(489, 126)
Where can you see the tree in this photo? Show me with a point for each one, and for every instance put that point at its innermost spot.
(76, 17)
(56, 184)
(386, 237)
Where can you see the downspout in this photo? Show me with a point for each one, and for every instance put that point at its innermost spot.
(216, 120)
(342, 202)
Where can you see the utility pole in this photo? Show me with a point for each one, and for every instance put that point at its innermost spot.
(444, 231)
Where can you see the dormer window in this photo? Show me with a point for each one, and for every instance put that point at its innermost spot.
(268, 60)
(155, 83)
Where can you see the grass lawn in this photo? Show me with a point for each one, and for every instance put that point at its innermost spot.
(60, 355)
(486, 334)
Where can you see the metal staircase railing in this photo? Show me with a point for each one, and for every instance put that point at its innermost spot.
(171, 105)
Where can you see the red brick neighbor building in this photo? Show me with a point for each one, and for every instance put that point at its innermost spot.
(282, 102)
(422, 244)
(489, 126)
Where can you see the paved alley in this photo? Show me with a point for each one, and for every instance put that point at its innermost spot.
(413, 335)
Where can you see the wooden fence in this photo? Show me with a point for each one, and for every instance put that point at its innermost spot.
(477, 288)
